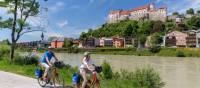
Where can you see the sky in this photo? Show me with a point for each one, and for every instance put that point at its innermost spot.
(68, 18)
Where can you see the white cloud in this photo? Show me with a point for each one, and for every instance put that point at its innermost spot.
(54, 35)
(181, 6)
(57, 6)
(63, 24)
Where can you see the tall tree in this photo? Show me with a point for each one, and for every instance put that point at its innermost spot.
(198, 11)
(20, 10)
(158, 26)
(193, 23)
(175, 13)
(190, 11)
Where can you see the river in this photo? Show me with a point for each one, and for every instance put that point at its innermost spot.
(175, 72)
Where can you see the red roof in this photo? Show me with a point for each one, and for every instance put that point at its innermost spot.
(114, 11)
(125, 12)
(152, 10)
(141, 8)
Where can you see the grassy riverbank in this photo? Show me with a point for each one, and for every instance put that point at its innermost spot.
(122, 79)
(141, 78)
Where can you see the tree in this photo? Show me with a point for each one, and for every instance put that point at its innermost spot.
(198, 11)
(169, 26)
(193, 23)
(155, 40)
(158, 26)
(83, 36)
(5, 42)
(190, 11)
(51, 38)
(67, 44)
(140, 33)
(175, 13)
(21, 11)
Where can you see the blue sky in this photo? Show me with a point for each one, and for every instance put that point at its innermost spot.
(71, 17)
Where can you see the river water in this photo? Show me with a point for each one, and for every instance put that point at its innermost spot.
(175, 72)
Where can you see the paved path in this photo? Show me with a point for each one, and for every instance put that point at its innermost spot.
(10, 80)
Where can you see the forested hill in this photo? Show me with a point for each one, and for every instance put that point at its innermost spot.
(126, 28)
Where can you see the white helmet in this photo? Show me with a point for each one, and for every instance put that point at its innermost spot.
(86, 53)
(50, 47)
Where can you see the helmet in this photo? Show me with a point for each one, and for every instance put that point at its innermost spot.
(50, 47)
(86, 53)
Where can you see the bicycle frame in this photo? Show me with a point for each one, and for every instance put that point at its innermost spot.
(53, 72)
(95, 81)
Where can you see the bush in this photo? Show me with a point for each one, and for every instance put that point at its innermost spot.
(147, 78)
(4, 50)
(154, 49)
(25, 60)
(180, 54)
(107, 71)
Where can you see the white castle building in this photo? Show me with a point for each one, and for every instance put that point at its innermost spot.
(144, 12)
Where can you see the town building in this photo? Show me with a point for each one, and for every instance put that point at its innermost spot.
(130, 42)
(118, 42)
(89, 42)
(34, 44)
(57, 42)
(75, 42)
(147, 12)
(176, 39)
(176, 18)
(191, 39)
(106, 42)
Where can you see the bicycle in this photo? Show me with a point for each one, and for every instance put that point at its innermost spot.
(94, 83)
(53, 77)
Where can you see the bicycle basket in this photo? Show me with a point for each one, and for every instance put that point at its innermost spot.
(98, 69)
(38, 73)
(59, 64)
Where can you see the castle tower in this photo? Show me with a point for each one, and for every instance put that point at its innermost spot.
(152, 6)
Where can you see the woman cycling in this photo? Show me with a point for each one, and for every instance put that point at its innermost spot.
(87, 67)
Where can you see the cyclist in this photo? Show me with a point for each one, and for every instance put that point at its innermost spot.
(87, 67)
(45, 61)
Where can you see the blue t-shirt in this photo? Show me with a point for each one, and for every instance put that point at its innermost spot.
(47, 54)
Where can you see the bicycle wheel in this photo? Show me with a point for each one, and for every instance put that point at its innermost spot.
(59, 81)
(41, 82)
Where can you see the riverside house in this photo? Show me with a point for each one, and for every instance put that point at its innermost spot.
(191, 39)
(176, 39)
(57, 42)
(118, 42)
(88, 42)
(106, 42)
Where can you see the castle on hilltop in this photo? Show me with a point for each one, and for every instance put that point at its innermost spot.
(147, 12)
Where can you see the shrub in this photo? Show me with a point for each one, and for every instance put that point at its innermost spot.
(4, 50)
(25, 60)
(154, 49)
(147, 78)
(180, 54)
(107, 71)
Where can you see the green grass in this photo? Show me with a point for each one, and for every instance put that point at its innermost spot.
(26, 70)
(122, 79)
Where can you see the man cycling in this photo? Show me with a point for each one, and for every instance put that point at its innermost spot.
(87, 67)
(45, 61)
